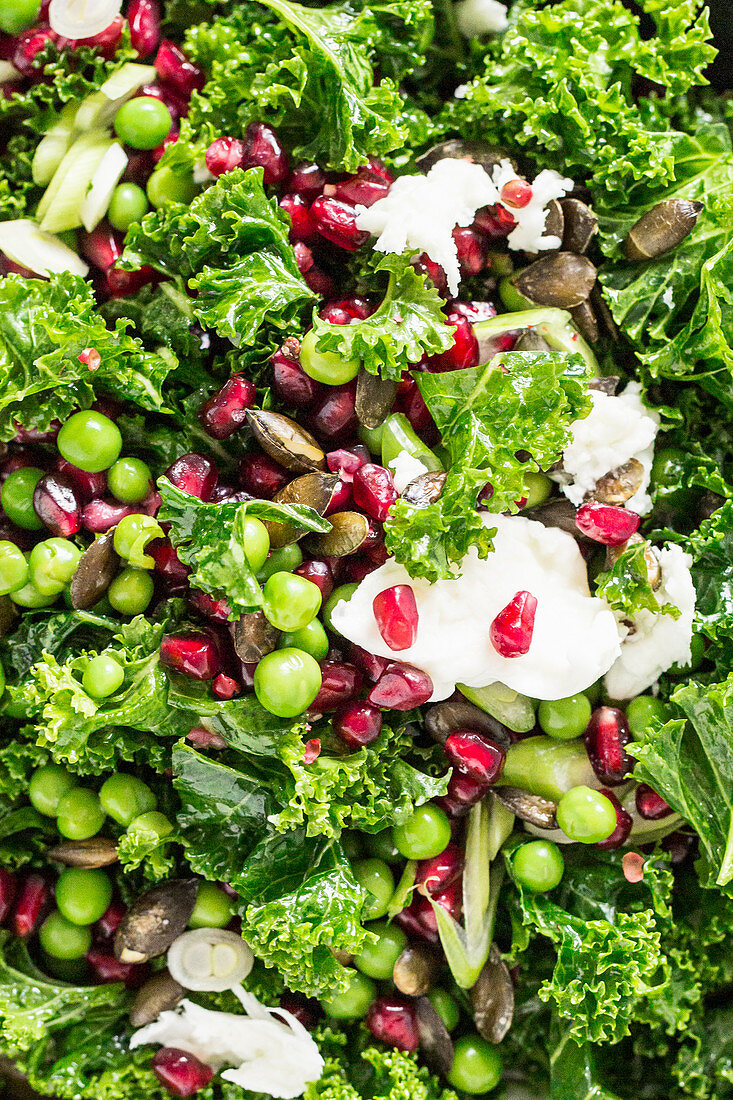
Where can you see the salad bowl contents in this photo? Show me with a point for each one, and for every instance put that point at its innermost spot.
(366, 464)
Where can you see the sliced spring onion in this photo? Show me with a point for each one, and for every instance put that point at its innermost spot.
(209, 959)
(77, 149)
(25, 243)
(53, 146)
(127, 80)
(82, 18)
(64, 212)
(554, 325)
(100, 108)
(95, 203)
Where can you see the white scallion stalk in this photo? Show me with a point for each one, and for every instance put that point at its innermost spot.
(209, 959)
(25, 243)
(69, 160)
(82, 18)
(127, 80)
(97, 199)
(77, 171)
(99, 108)
(53, 147)
(8, 73)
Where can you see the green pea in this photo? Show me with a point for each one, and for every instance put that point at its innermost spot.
(150, 826)
(130, 479)
(290, 601)
(382, 846)
(326, 366)
(128, 205)
(375, 876)
(17, 497)
(83, 894)
(283, 560)
(213, 908)
(131, 591)
(29, 596)
(136, 529)
(90, 441)
(166, 186)
(538, 865)
(343, 592)
(425, 834)
(697, 655)
(476, 1065)
(79, 814)
(641, 711)
(102, 676)
(351, 842)
(445, 1006)
(143, 122)
(353, 1002)
(125, 797)
(63, 940)
(13, 567)
(287, 681)
(48, 785)
(311, 638)
(585, 815)
(17, 16)
(52, 564)
(256, 543)
(564, 718)
(377, 960)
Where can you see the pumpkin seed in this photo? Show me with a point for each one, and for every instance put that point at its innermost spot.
(477, 152)
(529, 807)
(424, 489)
(347, 534)
(581, 224)
(530, 340)
(285, 441)
(374, 398)
(315, 490)
(96, 569)
(585, 321)
(619, 485)
(651, 559)
(558, 512)
(492, 998)
(155, 920)
(607, 385)
(603, 313)
(97, 851)
(159, 994)
(254, 637)
(416, 970)
(562, 279)
(459, 714)
(661, 229)
(436, 1045)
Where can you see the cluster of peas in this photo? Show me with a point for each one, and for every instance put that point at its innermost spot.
(92, 442)
(83, 895)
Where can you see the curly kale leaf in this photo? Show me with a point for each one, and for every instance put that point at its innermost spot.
(625, 586)
(498, 422)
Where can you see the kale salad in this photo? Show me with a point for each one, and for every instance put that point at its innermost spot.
(366, 551)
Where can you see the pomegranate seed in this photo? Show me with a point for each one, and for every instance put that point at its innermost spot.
(193, 474)
(28, 46)
(303, 258)
(336, 221)
(108, 968)
(228, 493)
(397, 616)
(205, 739)
(346, 461)
(33, 898)
(319, 572)
(56, 503)
(381, 169)
(262, 149)
(374, 490)
(8, 890)
(494, 221)
(358, 724)
(262, 476)
(516, 193)
(606, 737)
(311, 750)
(465, 790)
(225, 687)
(107, 40)
(478, 756)
(335, 415)
(340, 498)
(121, 284)
(193, 654)
(170, 139)
(472, 250)
(450, 899)
(414, 407)
(317, 279)
(226, 410)
(606, 523)
(464, 351)
(177, 104)
(363, 189)
(102, 246)
(401, 687)
(410, 921)
(371, 665)
(512, 629)
(302, 227)
(393, 1020)
(86, 485)
(651, 806)
(345, 310)
(289, 380)
(17, 460)
(624, 821)
(306, 180)
(109, 922)
(181, 1073)
(99, 515)
(425, 266)
(224, 154)
(173, 67)
(306, 1010)
(433, 876)
(167, 563)
(143, 17)
(341, 682)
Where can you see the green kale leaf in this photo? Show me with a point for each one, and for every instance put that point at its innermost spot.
(497, 422)
(711, 546)
(625, 586)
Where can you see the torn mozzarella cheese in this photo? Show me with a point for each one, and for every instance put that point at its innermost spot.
(420, 212)
(658, 641)
(270, 1051)
(405, 468)
(616, 430)
(477, 17)
(575, 638)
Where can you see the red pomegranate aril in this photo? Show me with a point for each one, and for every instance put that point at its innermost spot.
(143, 17)
(217, 611)
(401, 687)
(473, 312)
(434, 272)
(108, 968)
(371, 665)
(306, 1010)
(346, 461)
(183, 1074)
(121, 284)
(107, 40)
(307, 180)
(606, 737)
(379, 168)
(194, 655)
(374, 490)
(224, 154)
(8, 890)
(289, 380)
(225, 687)
(178, 105)
(464, 351)
(435, 875)
(303, 257)
(319, 573)
(17, 460)
(606, 523)
(340, 498)
(100, 514)
(343, 311)
(476, 754)
(363, 189)
(174, 572)
(173, 67)
(336, 221)
(33, 898)
(472, 250)
(88, 486)
(495, 221)
(317, 279)
(263, 149)
(624, 821)
(512, 629)
(335, 416)
(302, 226)
(393, 1020)
(194, 474)
(262, 476)
(450, 899)
(409, 920)
(358, 724)
(109, 922)
(28, 45)
(465, 789)
(102, 246)
(651, 806)
(201, 738)
(55, 503)
(395, 610)
(341, 681)
(412, 404)
(226, 410)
